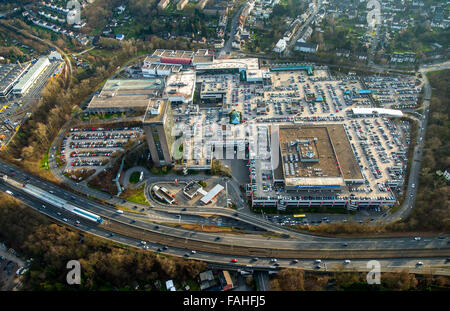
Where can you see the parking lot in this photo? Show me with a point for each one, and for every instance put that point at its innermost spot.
(395, 92)
(91, 148)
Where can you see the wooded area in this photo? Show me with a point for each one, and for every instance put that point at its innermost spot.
(104, 265)
(299, 280)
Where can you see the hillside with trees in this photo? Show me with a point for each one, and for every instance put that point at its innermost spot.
(104, 265)
(299, 280)
(432, 209)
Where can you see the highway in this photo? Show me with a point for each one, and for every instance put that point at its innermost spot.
(437, 265)
(298, 241)
(180, 242)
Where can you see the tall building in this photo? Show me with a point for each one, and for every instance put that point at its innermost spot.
(158, 124)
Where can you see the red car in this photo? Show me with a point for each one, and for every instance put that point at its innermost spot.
(233, 260)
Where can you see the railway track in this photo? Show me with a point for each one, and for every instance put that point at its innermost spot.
(220, 248)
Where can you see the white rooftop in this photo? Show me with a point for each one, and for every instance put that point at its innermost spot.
(380, 111)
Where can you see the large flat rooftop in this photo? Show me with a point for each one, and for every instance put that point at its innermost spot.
(317, 155)
(231, 63)
(9, 74)
(155, 111)
(135, 85)
(133, 93)
(181, 84)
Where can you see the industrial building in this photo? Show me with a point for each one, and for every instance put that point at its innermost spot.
(29, 78)
(9, 76)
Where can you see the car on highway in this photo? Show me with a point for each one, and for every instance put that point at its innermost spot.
(65, 219)
(193, 252)
(295, 261)
(143, 242)
(417, 238)
(317, 261)
(255, 258)
(344, 244)
(419, 263)
(234, 260)
(346, 262)
(317, 266)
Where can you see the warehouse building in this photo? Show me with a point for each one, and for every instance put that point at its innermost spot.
(10, 75)
(29, 78)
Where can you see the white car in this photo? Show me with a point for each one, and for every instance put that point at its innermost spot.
(317, 261)
(419, 263)
(347, 261)
(417, 238)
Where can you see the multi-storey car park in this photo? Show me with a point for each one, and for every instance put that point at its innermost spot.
(307, 138)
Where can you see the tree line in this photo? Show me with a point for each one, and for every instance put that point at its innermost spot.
(300, 280)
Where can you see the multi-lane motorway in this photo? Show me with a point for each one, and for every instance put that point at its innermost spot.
(222, 248)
